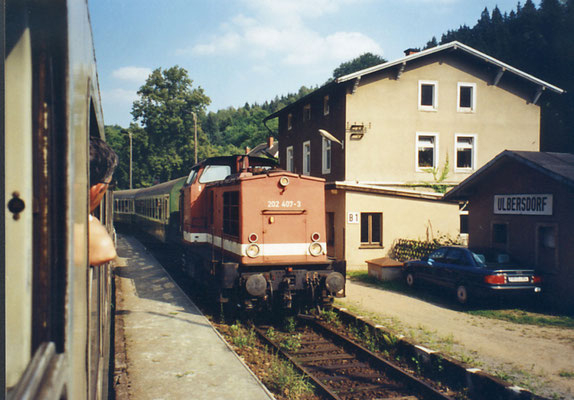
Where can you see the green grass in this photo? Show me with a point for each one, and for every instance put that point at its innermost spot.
(285, 380)
(518, 316)
(566, 374)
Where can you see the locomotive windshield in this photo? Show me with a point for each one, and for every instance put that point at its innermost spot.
(213, 173)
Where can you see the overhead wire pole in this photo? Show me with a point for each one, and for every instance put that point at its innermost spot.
(195, 134)
(131, 147)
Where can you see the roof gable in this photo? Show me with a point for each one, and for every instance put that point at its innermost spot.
(453, 46)
(556, 166)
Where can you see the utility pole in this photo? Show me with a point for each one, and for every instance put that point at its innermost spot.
(130, 136)
(130, 133)
(195, 134)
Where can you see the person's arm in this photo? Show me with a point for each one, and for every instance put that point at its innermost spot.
(101, 246)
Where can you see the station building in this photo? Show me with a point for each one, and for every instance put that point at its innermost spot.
(523, 202)
(388, 138)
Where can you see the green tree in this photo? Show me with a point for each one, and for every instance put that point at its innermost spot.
(364, 61)
(165, 109)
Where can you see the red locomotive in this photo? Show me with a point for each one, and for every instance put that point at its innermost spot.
(256, 234)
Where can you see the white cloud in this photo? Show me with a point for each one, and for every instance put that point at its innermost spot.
(119, 96)
(132, 74)
(282, 30)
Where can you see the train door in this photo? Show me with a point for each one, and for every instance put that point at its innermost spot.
(35, 187)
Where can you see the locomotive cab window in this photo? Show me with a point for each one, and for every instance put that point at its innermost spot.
(213, 173)
(191, 177)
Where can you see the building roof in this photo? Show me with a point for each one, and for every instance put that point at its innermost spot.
(556, 166)
(448, 47)
(452, 46)
(383, 190)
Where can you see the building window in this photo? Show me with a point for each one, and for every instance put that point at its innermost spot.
(466, 97)
(307, 112)
(289, 121)
(326, 105)
(371, 229)
(499, 234)
(326, 156)
(428, 95)
(465, 152)
(289, 159)
(307, 158)
(427, 150)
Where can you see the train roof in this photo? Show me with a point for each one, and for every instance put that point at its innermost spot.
(125, 194)
(162, 188)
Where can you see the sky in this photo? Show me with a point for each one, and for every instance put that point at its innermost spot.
(250, 51)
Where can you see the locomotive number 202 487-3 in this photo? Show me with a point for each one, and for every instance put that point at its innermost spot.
(283, 204)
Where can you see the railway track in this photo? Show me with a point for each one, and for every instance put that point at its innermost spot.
(342, 369)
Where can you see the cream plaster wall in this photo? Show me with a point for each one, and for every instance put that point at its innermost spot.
(389, 108)
(403, 218)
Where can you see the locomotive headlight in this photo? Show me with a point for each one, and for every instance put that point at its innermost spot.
(256, 285)
(284, 181)
(315, 249)
(252, 250)
(335, 282)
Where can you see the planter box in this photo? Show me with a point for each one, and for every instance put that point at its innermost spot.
(385, 268)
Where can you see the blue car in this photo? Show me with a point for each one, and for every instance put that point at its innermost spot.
(472, 273)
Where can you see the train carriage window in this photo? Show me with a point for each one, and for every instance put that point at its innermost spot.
(213, 173)
(231, 213)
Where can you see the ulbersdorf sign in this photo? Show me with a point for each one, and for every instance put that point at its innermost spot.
(523, 204)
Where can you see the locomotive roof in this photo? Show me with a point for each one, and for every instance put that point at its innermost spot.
(232, 160)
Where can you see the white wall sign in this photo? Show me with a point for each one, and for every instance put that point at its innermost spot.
(353, 218)
(523, 204)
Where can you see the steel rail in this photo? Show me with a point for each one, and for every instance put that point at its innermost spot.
(361, 357)
(388, 367)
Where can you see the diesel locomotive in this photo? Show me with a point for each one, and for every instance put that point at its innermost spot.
(253, 232)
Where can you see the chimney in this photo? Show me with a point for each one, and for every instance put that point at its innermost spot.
(247, 150)
(270, 142)
(410, 51)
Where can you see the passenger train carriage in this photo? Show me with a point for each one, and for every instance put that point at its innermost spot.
(252, 231)
(58, 313)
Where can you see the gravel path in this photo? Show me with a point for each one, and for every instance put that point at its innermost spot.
(531, 353)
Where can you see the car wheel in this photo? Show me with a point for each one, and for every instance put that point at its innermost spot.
(410, 279)
(462, 294)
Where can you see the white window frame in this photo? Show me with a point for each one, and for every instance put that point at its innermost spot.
(307, 158)
(472, 107)
(434, 106)
(289, 121)
(326, 159)
(435, 151)
(473, 148)
(326, 109)
(307, 112)
(289, 159)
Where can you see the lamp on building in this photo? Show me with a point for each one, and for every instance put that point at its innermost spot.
(330, 137)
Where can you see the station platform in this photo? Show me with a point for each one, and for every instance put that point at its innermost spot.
(170, 350)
